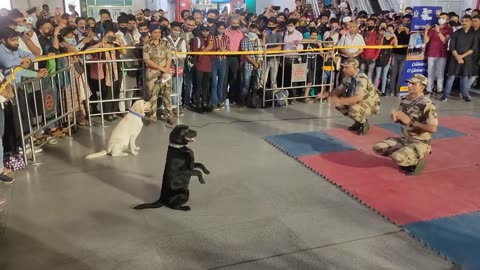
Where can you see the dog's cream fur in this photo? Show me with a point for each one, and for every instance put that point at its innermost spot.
(125, 134)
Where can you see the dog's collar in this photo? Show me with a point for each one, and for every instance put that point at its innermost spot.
(136, 114)
(174, 145)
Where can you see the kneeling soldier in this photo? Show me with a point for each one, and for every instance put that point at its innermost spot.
(356, 97)
(418, 116)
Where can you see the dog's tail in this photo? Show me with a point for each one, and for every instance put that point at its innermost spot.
(156, 204)
(96, 155)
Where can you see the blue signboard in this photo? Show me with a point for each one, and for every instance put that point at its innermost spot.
(423, 16)
(411, 68)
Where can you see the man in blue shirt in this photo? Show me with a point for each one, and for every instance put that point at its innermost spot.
(11, 56)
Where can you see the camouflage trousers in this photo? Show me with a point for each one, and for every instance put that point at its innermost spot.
(156, 88)
(403, 151)
(359, 112)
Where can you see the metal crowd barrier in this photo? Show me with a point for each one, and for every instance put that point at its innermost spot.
(300, 72)
(43, 103)
(126, 85)
(176, 87)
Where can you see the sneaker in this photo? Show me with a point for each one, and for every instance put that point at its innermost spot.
(467, 99)
(443, 98)
(6, 179)
(29, 150)
(355, 127)
(364, 128)
(415, 170)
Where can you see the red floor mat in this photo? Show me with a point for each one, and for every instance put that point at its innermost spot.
(376, 182)
(466, 124)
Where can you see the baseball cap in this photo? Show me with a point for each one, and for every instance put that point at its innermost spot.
(418, 78)
(204, 27)
(351, 61)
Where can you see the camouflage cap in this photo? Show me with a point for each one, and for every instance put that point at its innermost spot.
(418, 78)
(351, 61)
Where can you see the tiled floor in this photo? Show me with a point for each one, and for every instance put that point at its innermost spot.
(260, 209)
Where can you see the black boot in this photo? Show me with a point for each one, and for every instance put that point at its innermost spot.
(355, 127)
(415, 169)
(364, 128)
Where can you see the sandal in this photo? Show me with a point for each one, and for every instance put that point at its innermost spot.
(51, 140)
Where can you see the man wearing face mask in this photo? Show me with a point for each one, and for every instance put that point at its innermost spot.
(48, 41)
(219, 67)
(175, 41)
(369, 56)
(272, 36)
(292, 38)
(212, 15)
(188, 70)
(437, 38)
(235, 36)
(29, 39)
(252, 63)
(122, 22)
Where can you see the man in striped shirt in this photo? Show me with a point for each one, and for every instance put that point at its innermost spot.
(221, 43)
(252, 63)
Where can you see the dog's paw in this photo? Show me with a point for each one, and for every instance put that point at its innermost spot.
(201, 181)
(137, 148)
(135, 153)
(207, 171)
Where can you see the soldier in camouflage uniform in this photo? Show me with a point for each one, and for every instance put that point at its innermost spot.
(418, 116)
(158, 58)
(356, 97)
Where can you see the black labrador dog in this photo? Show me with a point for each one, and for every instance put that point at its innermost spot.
(179, 167)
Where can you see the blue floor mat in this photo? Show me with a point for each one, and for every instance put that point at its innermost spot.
(307, 143)
(457, 238)
(442, 132)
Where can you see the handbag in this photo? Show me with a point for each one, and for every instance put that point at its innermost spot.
(14, 162)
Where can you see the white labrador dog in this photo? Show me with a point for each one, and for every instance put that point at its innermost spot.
(125, 134)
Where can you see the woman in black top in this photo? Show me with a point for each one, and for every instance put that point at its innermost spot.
(382, 65)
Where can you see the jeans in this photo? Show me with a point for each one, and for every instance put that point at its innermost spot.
(219, 72)
(383, 71)
(464, 85)
(202, 93)
(2, 129)
(436, 70)
(177, 83)
(248, 76)
(396, 75)
(370, 64)
(272, 70)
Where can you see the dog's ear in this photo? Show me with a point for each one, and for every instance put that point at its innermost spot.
(138, 106)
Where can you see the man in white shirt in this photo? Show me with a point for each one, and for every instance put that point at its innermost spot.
(179, 44)
(352, 38)
(293, 38)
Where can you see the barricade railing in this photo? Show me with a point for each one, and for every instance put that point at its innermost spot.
(115, 81)
(300, 72)
(45, 102)
(34, 98)
(177, 81)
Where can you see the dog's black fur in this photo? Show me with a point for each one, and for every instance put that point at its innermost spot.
(179, 167)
